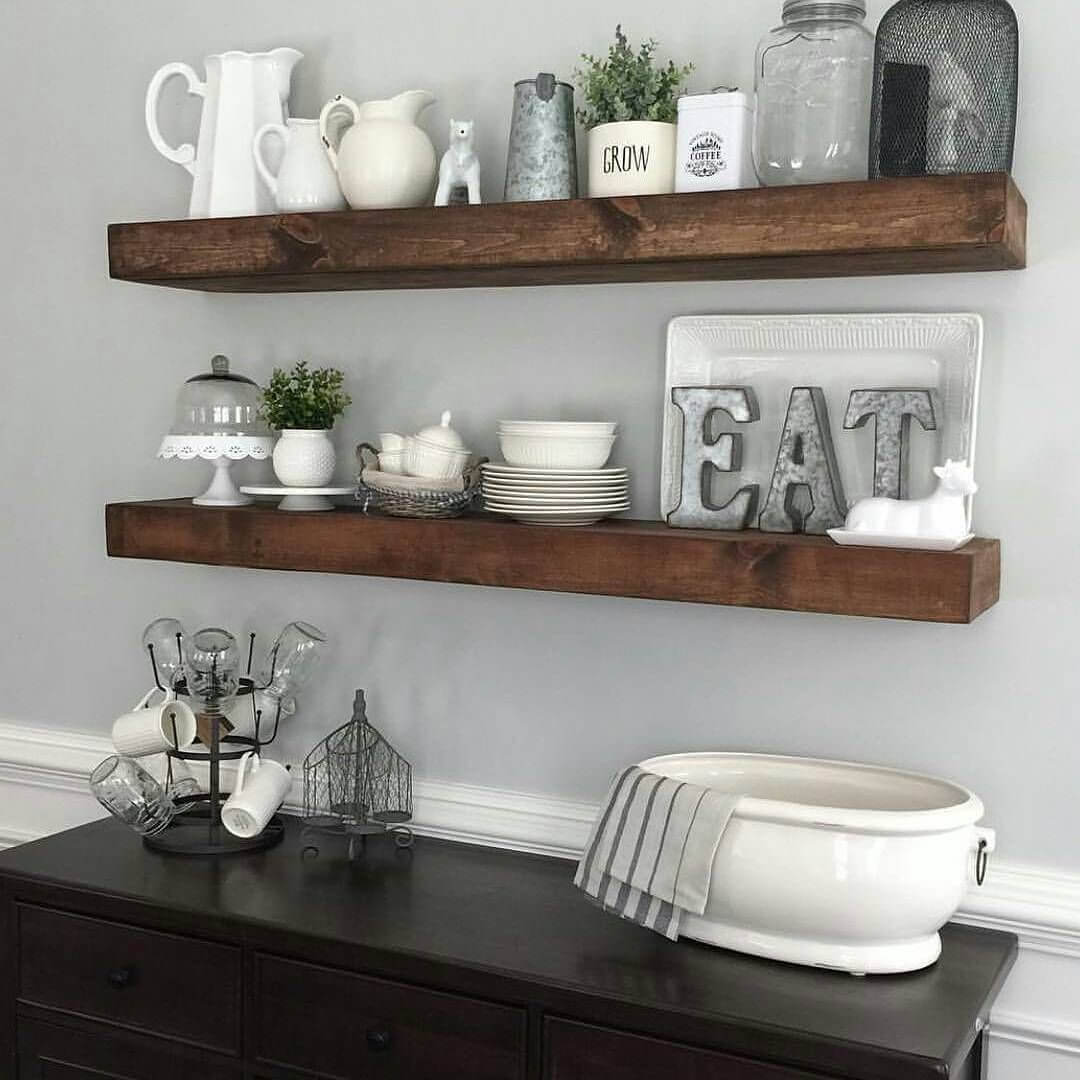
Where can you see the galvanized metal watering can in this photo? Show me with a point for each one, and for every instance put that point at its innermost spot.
(542, 159)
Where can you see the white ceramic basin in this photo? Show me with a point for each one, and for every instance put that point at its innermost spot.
(833, 864)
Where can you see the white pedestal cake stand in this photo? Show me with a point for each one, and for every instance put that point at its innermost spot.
(222, 451)
(300, 498)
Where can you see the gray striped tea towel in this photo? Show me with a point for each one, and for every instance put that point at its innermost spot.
(650, 854)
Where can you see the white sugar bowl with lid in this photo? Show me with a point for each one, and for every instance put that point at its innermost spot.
(715, 142)
(437, 452)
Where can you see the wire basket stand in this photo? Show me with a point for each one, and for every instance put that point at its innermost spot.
(356, 785)
(199, 831)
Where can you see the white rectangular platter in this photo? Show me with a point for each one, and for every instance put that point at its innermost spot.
(839, 353)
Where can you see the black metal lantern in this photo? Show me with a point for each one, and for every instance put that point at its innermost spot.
(945, 79)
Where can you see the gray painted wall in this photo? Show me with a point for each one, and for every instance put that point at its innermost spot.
(517, 690)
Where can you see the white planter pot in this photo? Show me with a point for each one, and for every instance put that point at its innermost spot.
(633, 157)
(304, 458)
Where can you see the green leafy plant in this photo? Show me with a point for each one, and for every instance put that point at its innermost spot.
(303, 399)
(628, 85)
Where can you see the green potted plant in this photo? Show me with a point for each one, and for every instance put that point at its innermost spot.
(630, 109)
(302, 405)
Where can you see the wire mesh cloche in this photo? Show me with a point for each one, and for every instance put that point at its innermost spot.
(217, 419)
(356, 785)
(945, 88)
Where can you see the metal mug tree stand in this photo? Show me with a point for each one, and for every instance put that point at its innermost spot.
(199, 830)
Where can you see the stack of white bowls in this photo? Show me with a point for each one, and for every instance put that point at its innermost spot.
(554, 473)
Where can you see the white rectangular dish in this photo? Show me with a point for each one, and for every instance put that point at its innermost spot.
(772, 354)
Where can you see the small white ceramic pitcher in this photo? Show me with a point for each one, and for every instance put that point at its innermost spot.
(306, 181)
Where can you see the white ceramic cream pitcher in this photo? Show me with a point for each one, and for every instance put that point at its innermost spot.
(383, 159)
(306, 181)
(242, 92)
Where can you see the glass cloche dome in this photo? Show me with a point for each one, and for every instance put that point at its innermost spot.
(218, 403)
(217, 419)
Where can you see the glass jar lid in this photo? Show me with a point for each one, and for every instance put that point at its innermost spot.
(824, 9)
(219, 403)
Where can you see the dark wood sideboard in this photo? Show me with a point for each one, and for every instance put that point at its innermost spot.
(446, 961)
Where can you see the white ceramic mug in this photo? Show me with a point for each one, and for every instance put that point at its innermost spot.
(151, 729)
(260, 788)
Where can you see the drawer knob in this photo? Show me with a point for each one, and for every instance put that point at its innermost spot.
(121, 977)
(379, 1039)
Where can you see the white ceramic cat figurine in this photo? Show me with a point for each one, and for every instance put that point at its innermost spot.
(941, 515)
(460, 167)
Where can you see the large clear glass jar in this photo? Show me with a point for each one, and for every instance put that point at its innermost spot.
(812, 80)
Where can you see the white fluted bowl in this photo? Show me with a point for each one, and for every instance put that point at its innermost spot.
(556, 427)
(557, 451)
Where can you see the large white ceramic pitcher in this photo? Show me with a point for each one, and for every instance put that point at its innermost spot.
(384, 159)
(242, 92)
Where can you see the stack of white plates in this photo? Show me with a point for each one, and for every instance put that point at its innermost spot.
(555, 496)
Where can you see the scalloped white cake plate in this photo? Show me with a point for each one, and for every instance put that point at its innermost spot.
(854, 538)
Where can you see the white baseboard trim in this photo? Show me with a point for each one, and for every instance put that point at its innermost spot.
(1039, 1012)
(1056, 1037)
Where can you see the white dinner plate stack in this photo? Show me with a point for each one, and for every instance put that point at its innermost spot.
(545, 496)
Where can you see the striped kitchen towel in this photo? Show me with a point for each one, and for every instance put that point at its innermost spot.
(650, 854)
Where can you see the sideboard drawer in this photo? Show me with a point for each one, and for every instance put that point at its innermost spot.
(59, 1052)
(336, 1024)
(161, 983)
(574, 1051)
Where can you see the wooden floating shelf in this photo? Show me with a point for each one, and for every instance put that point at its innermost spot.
(908, 226)
(643, 559)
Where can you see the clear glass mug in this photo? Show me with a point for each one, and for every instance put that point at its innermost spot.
(289, 665)
(130, 793)
(813, 82)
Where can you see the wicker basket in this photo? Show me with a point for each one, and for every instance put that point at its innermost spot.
(415, 502)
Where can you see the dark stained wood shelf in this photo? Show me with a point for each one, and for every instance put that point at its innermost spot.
(908, 226)
(643, 559)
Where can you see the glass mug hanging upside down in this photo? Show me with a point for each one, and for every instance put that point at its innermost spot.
(131, 794)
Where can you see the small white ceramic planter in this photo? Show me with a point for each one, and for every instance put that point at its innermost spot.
(304, 459)
(633, 157)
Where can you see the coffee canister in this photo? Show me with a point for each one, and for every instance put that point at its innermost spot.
(715, 142)
(542, 158)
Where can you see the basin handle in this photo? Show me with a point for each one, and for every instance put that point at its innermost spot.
(987, 841)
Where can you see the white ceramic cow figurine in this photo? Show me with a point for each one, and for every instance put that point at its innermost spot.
(941, 515)
(460, 167)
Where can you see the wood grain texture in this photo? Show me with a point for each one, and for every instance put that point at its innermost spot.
(505, 929)
(333, 1023)
(69, 1049)
(644, 559)
(574, 1051)
(903, 226)
(73, 964)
